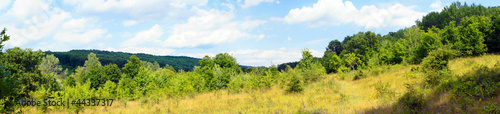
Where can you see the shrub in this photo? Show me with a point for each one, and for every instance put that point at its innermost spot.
(359, 75)
(294, 86)
(438, 59)
(413, 100)
(383, 90)
(434, 78)
(480, 83)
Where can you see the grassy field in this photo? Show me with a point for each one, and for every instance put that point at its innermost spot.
(378, 92)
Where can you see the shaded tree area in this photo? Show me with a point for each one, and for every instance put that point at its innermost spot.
(75, 58)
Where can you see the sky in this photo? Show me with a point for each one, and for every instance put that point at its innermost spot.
(255, 32)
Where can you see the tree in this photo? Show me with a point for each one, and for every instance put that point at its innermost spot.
(132, 67)
(413, 36)
(335, 46)
(3, 38)
(50, 64)
(99, 75)
(494, 38)
(331, 61)
(429, 41)
(91, 63)
(9, 85)
(22, 65)
(473, 31)
(224, 60)
(353, 61)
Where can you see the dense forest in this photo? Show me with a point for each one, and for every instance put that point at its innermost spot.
(458, 31)
(74, 58)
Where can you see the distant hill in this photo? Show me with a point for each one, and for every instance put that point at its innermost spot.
(74, 58)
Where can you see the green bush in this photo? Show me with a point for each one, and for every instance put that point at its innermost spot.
(295, 85)
(383, 90)
(438, 59)
(481, 83)
(359, 75)
(413, 100)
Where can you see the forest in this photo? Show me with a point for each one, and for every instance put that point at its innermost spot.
(428, 53)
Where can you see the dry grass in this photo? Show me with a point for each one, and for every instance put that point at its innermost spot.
(330, 95)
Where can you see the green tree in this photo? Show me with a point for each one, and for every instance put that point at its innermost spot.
(311, 69)
(494, 38)
(473, 31)
(3, 38)
(413, 36)
(331, 61)
(335, 46)
(132, 67)
(22, 64)
(353, 61)
(50, 64)
(91, 63)
(224, 60)
(429, 41)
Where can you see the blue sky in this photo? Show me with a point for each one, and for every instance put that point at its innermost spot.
(256, 32)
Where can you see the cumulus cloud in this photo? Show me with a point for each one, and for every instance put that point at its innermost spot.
(250, 3)
(27, 23)
(143, 10)
(4, 4)
(129, 23)
(335, 12)
(437, 6)
(82, 37)
(145, 36)
(210, 27)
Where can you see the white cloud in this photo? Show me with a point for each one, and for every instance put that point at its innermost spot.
(210, 27)
(289, 38)
(82, 37)
(145, 36)
(75, 24)
(250, 3)
(30, 20)
(141, 10)
(4, 4)
(129, 23)
(153, 51)
(335, 12)
(267, 57)
(316, 41)
(437, 6)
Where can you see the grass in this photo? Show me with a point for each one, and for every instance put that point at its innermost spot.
(330, 95)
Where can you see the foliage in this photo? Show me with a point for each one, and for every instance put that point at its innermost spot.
(481, 83)
(335, 46)
(98, 76)
(3, 37)
(9, 91)
(413, 100)
(91, 63)
(132, 67)
(74, 58)
(22, 64)
(310, 69)
(295, 85)
(438, 59)
(331, 61)
(493, 38)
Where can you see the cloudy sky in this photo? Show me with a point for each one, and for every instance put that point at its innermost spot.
(256, 32)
